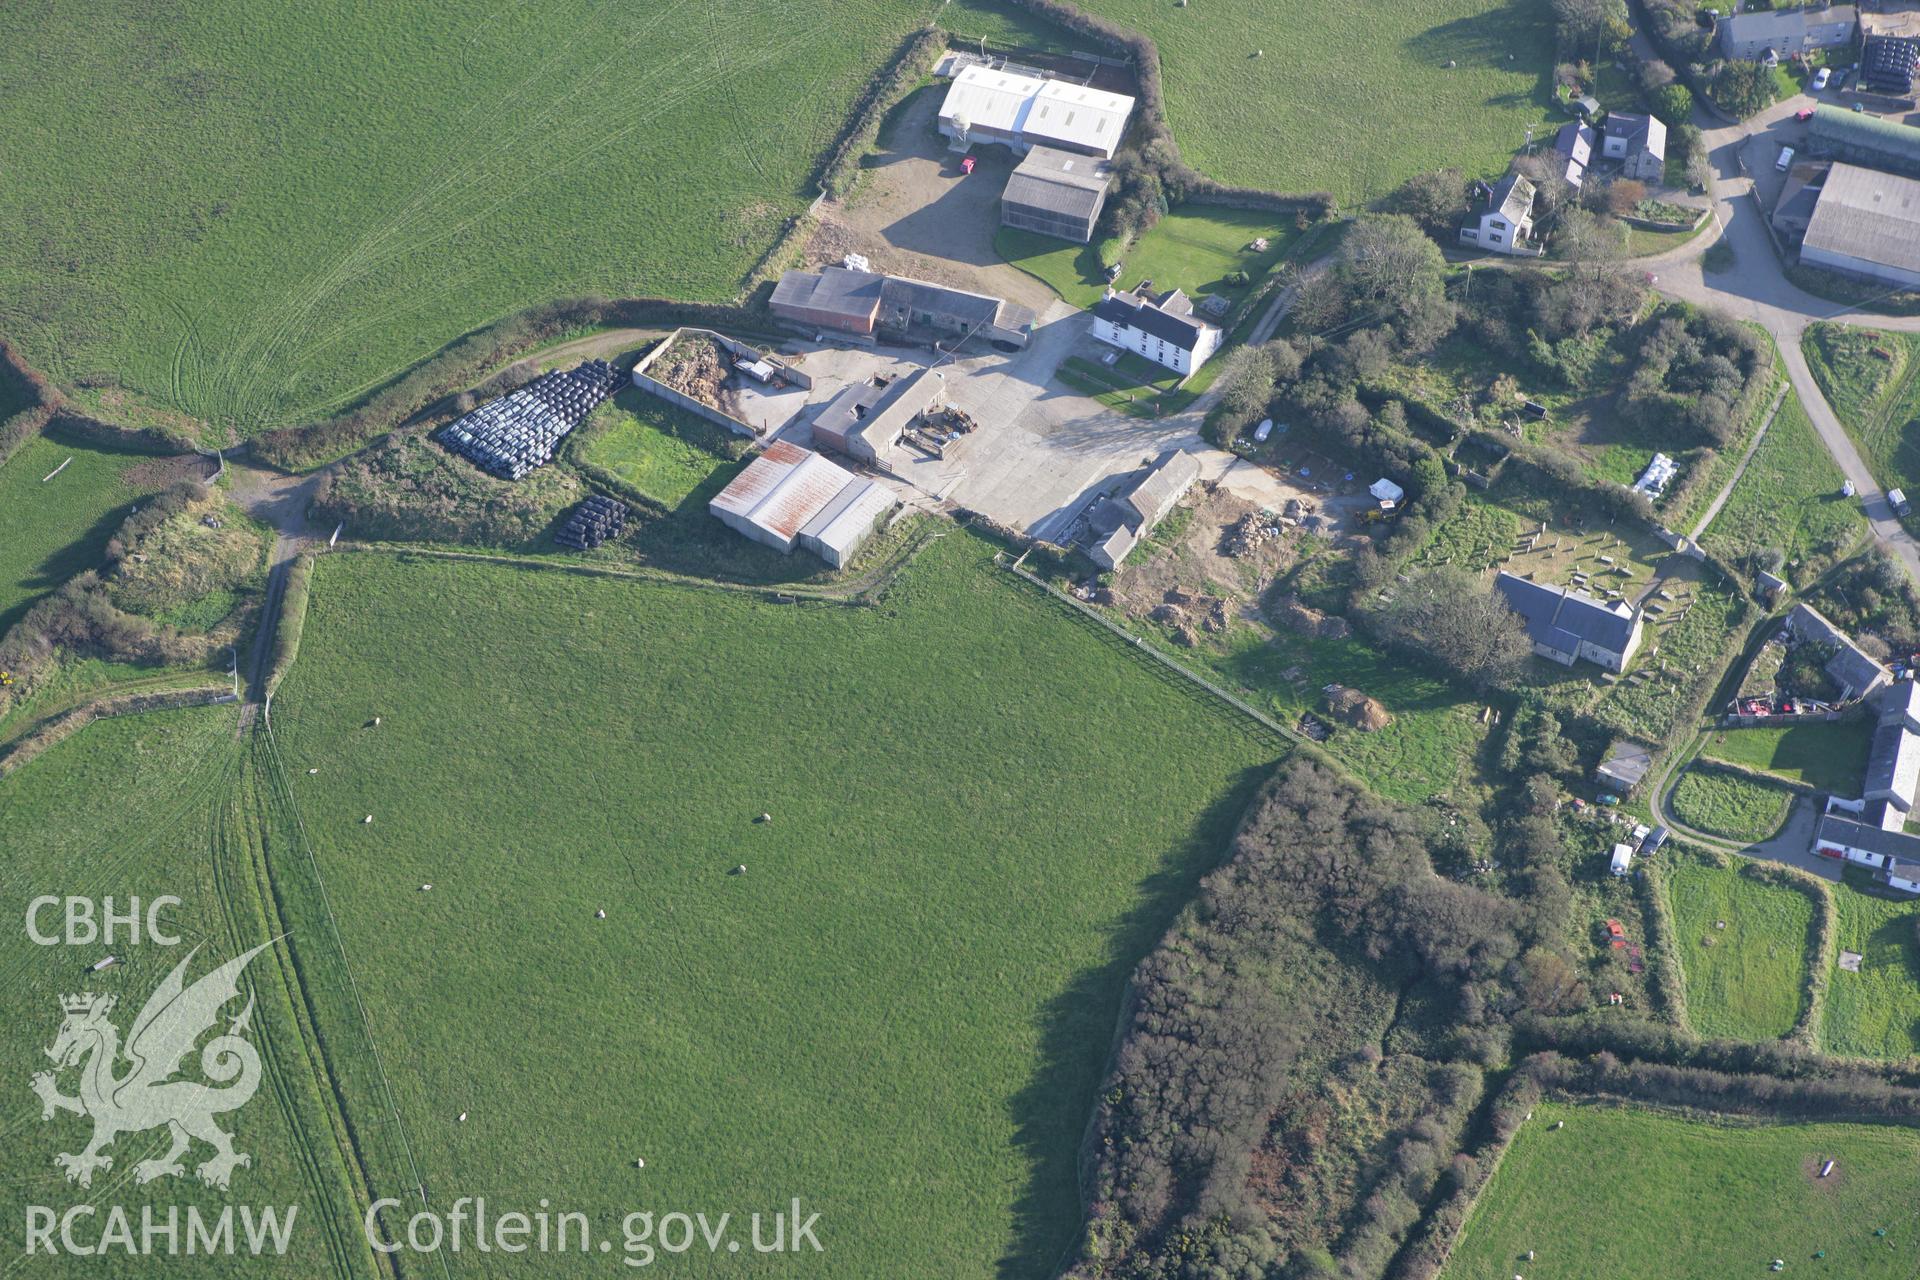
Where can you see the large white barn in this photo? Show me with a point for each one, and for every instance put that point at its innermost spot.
(988, 105)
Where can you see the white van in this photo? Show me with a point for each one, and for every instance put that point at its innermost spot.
(1785, 161)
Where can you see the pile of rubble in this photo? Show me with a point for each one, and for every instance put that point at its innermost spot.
(1356, 708)
(1294, 614)
(1190, 614)
(1252, 532)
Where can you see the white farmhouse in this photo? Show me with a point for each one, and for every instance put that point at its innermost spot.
(1506, 224)
(1164, 329)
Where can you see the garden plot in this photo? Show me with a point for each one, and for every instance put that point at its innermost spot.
(1831, 757)
(1743, 947)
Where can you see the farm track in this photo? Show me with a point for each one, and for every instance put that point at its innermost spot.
(236, 855)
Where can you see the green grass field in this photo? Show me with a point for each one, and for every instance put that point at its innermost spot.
(1327, 103)
(53, 529)
(1194, 248)
(1789, 497)
(1872, 380)
(1729, 804)
(1743, 980)
(1435, 731)
(1635, 1193)
(150, 805)
(658, 448)
(1831, 757)
(984, 811)
(256, 216)
(1876, 1012)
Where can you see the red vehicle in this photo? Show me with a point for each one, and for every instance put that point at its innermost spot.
(1804, 114)
(966, 165)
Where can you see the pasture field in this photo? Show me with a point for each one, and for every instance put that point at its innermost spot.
(1724, 803)
(1298, 96)
(1788, 498)
(968, 850)
(51, 530)
(1194, 248)
(660, 449)
(255, 217)
(1628, 1192)
(1743, 980)
(1872, 378)
(150, 805)
(1831, 757)
(1875, 1013)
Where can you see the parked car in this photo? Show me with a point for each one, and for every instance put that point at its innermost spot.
(1898, 501)
(1821, 77)
(1607, 798)
(1785, 161)
(1803, 115)
(1654, 840)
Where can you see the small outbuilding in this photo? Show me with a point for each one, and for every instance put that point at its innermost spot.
(1625, 766)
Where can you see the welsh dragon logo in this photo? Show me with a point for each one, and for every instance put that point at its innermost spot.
(146, 1096)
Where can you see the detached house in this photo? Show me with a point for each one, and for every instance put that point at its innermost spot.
(1638, 143)
(1506, 224)
(1164, 329)
(1567, 625)
(1574, 145)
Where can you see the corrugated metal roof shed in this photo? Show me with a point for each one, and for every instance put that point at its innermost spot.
(1059, 182)
(1837, 128)
(1081, 116)
(799, 497)
(1869, 215)
(840, 529)
(988, 99)
(760, 478)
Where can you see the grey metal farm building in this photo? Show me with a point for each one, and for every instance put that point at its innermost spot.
(1866, 223)
(1056, 193)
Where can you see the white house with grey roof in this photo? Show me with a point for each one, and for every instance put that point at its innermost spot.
(1506, 224)
(1637, 143)
(1164, 329)
(1786, 31)
(1056, 193)
(1567, 626)
(1872, 831)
